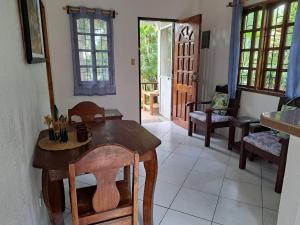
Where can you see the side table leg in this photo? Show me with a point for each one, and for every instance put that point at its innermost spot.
(54, 198)
(151, 175)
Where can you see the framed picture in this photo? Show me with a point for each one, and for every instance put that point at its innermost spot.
(33, 31)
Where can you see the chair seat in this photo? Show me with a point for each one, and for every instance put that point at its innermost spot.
(201, 116)
(267, 141)
(85, 197)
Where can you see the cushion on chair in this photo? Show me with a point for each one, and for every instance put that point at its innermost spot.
(201, 116)
(220, 101)
(267, 141)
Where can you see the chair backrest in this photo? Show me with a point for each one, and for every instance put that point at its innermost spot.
(104, 163)
(234, 103)
(87, 111)
(288, 101)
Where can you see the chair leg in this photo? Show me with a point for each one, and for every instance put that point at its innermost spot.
(207, 136)
(190, 129)
(243, 157)
(280, 175)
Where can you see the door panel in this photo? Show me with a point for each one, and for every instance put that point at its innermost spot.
(165, 71)
(186, 67)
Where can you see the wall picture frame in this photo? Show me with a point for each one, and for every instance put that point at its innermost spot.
(32, 30)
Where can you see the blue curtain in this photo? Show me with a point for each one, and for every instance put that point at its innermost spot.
(234, 55)
(293, 78)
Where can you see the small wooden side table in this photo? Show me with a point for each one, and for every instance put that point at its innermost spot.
(152, 107)
(238, 122)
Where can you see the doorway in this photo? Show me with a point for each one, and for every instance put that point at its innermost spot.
(156, 65)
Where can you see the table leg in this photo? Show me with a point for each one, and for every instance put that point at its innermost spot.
(231, 137)
(151, 175)
(54, 198)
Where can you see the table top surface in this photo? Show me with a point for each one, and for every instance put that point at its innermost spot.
(285, 121)
(112, 113)
(127, 133)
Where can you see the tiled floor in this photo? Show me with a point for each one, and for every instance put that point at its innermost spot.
(204, 186)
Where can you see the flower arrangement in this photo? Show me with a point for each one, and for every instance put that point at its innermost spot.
(57, 126)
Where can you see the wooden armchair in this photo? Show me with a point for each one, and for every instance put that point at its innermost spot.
(109, 202)
(267, 143)
(87, 111)
(208, 120)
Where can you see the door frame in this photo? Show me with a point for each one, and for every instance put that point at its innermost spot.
(139, 59)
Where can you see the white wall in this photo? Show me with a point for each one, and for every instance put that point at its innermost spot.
(217, 18)
(126, 47)
(23, 100)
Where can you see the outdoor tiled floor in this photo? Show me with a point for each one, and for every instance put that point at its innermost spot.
(204, 186)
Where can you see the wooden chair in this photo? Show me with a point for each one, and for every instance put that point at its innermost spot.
(87, 111)
(267, 144)
(109, 202)
(208, 120)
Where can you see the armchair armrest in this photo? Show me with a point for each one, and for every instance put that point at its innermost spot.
(257, 127)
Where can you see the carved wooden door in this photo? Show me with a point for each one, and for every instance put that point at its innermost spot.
(186, 67)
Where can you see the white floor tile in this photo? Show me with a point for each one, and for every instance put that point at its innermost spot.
(243, 175)
(230, 212)
(195, 203)
(162, 156)
(177, 218)
(271, 199)
(189, 150)
(215, 155)
(172, 174)
(209, 182)
(270, 217)
(68, 218)
(164, 194)
(243, 192)
(158, 213)
(181, 161)
(210, 166)
(167, 146)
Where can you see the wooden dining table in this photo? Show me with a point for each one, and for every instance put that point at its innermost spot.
(54, 164)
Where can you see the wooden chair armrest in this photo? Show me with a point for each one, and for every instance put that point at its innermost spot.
(284, 141)
(257, 127)
(198, 103)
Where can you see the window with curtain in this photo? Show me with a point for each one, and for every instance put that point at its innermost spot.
(92, 37)
(266, 37)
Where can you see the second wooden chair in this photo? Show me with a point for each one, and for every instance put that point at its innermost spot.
(87, 111)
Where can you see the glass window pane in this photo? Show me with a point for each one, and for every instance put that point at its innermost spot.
(286, 55)
(293, 12)
(86, 74)
(277, 16)
(101, 42)
(253, 78)
(275, 37)
(100, 26)
(243, 77)
(85, 58)
(257, 39)
(102, 59)
(283, 81)
(259, 19)
(255, 59)
(245, 59)
(249, 21)
(272, 59)
(83, 25)
(289, 36)
(247, 39)
(270, 80)
(84, 42)
(102, 74)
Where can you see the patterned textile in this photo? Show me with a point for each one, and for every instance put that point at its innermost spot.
(220, 101)
(267, 141)
(199, 115)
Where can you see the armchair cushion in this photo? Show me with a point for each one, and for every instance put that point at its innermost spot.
(267, 141)
(201, 116)
(220, 101)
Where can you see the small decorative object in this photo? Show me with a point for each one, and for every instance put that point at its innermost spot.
(33, 30)
(82, 132)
